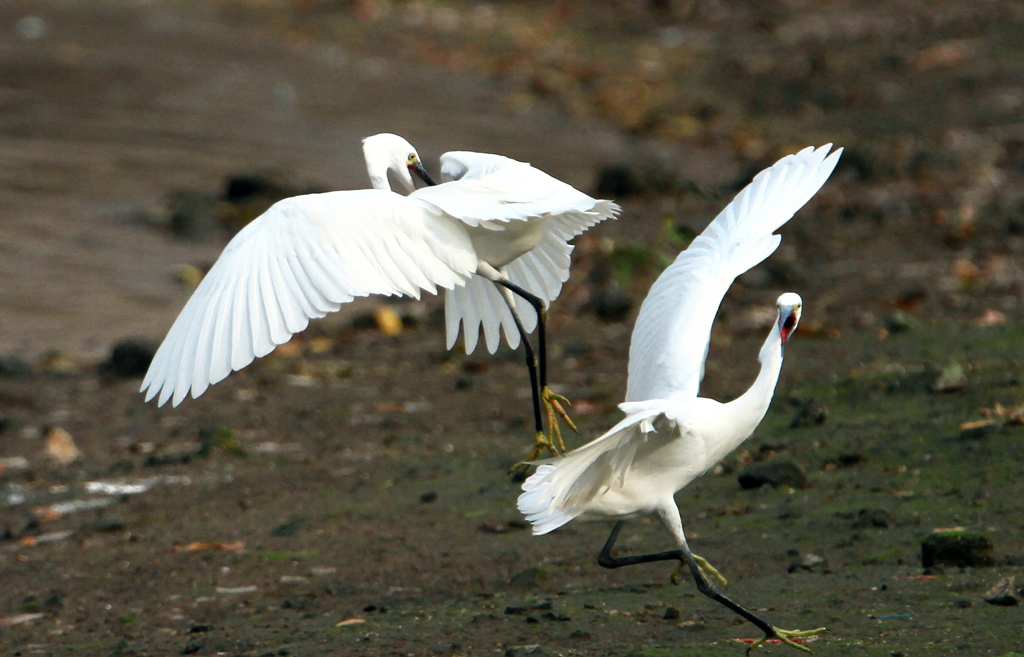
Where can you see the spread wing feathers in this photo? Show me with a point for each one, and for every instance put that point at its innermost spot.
(673, 328)
(481, 304)
(561, 488)
(493, 190)
(302, 259)
(540, 271)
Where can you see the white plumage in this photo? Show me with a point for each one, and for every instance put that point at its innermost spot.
(307, 255)
(670, 435)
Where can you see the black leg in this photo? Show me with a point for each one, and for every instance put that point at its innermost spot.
(531, 365)
(606, 560)
(538, 306)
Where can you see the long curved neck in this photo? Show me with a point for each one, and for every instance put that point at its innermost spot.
(378, 172)
(748, 409)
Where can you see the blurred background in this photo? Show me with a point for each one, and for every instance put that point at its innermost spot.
(136, 136)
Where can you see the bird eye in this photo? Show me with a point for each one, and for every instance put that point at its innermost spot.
(412, 157)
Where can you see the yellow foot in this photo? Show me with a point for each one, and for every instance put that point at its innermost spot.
(553, 409)
(540, 443)
(786, 637)
(706, 568)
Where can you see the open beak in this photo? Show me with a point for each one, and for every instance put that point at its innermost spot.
(789, 317)
(416, 168)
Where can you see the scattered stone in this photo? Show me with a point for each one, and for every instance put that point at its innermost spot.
(672, 613)
(530, 578)
(957, 548)
(428, 497)
(807, 563)
(102, 525)
(811, 414)
(128, 359)
(850, 460)
(899, 321)
(579, 634)
(610, 302)
(617, 181)
(188, 275)
(60, 446)
(872, 518)
(532, 650)
(14, 367)
(1002, 594)
(952, 379)
(775, 473)
(552, 616)
(522, 609)
(291, 527)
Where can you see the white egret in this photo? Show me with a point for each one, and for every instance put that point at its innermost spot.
(670, 436)
(496, 220)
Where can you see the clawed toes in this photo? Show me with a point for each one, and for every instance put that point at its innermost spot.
(786, 637)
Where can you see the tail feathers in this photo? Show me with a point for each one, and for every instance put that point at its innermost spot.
(536, 502)
(563, 488)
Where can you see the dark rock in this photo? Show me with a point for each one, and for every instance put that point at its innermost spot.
(617, 181)
(1002, 594)
(191, 648)
(957, 548)
(102, 525)
(810, 414)
(191, 215)
(428, 497)
(850, 460)
(529, 579)
(610, 303)
(872, 518)
(128, 359)
(552, 616)
(672, 613)
(579, 634)
(775, 473)
(517, 610)
(14, 367)
(291, 527)
(196, 629)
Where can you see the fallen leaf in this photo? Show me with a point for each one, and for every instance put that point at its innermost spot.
(61, 447)
(388, 321)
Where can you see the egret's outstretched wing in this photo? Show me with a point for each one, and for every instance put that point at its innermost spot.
(670, 339)
(301, 259)
(562, 488)
(490, 191)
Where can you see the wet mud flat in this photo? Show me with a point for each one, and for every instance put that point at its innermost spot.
(332, 503)
(350, 494)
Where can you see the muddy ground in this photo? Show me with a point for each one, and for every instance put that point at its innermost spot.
(349, 494)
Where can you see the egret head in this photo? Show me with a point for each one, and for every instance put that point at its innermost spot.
(387, 152)
(790, 306)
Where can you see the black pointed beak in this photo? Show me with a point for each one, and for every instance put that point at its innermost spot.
(417, 169)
